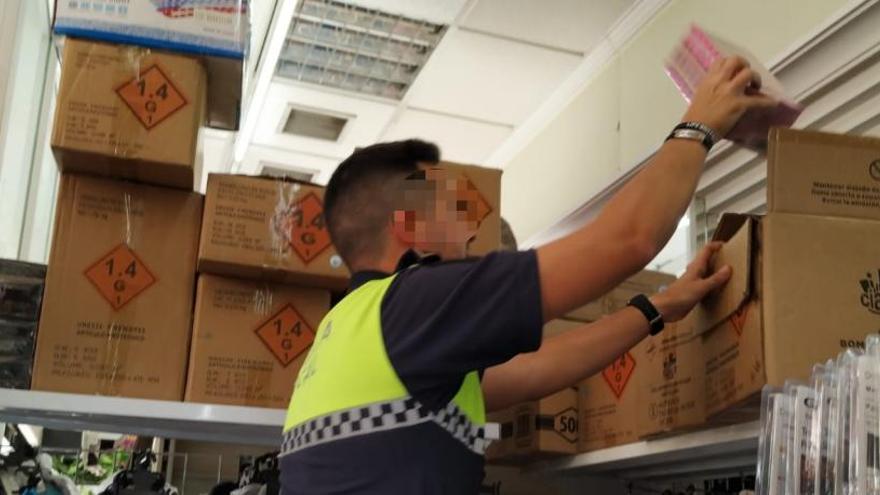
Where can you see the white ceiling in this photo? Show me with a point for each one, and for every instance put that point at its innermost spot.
(499, 61)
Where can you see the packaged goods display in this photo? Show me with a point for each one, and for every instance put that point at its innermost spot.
(21, 294)
(117, 310)
(689, 63)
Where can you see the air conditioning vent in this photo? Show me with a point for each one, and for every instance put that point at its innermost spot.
(314, 125)
(367, 51)
(281, 171)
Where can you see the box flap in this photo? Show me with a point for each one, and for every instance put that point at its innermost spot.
(737, 232)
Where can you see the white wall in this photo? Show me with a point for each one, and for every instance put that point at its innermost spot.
(625, 112)
(28, 25)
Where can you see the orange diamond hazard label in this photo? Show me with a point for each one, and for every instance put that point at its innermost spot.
(477, 206)
(120, 276)
(302, 224)
(151, 96)
(738, 319)
(286, 334)
(618, 373)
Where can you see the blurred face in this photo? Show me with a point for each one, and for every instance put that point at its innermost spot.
(439, 214)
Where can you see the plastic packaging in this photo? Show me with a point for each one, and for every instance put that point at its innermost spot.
(773, 443)
(846, 363)
(802, 453)
(826, 421)
(689, 63)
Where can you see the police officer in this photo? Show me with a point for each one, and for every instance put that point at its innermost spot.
(392, 398)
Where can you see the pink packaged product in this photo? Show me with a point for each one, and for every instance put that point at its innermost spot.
(689, 63)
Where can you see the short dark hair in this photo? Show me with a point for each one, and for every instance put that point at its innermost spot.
(358, 202)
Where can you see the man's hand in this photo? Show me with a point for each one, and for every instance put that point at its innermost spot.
(723, 96)
(682, 295)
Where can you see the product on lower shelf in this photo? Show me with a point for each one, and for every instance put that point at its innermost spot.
(609, 402)
(673, 386)
(536, 430)
(117, 309)
(129, 112)
(250, 339)
(21, 293)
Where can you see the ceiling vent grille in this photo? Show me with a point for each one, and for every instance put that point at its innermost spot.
(312, 124)
(277, 170)
(356, 49)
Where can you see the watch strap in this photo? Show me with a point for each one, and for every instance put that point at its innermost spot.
(655, 319)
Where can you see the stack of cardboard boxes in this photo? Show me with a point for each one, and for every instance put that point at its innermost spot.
(609, 402)
(153, 292)
(119, 288)
(804, 286)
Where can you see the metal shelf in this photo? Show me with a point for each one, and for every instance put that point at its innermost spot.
(729, 450)
(180, 420)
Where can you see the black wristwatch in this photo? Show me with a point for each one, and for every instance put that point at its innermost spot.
(655, 319)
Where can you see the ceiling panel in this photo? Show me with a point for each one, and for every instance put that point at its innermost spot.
(575, 25)
(460, 140)
(321, 166)
(488, 78)
(367, 118)
(442, 11)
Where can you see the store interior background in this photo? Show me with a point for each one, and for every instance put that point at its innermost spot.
(568, 97)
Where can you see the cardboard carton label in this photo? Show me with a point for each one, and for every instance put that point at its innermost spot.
(303, 226)
(476, 205)
(870, 297)
(564, 424)
(738, 319)
(618, 373)
(151, 96)
(120, 276)
(286, 334)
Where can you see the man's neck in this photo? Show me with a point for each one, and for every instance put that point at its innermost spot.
(386, 264)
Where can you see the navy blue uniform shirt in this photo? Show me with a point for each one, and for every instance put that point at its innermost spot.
(440, 321)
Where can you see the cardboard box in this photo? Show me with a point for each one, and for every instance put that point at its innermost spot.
(487, 184)
(250, 340)
(645, 282)
(609, 402)
(117, 306)
(672, 395)
(219, 27)
(537, 429)
(128, 112)
(811, 292)
(815, 173)
(560, 325)
(270, 229)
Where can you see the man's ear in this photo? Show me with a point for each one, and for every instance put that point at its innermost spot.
(403, 226)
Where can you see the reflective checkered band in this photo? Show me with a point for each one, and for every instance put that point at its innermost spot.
(383, 416)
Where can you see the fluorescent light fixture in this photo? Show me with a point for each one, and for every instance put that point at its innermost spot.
(344, 46)
(30, 434)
